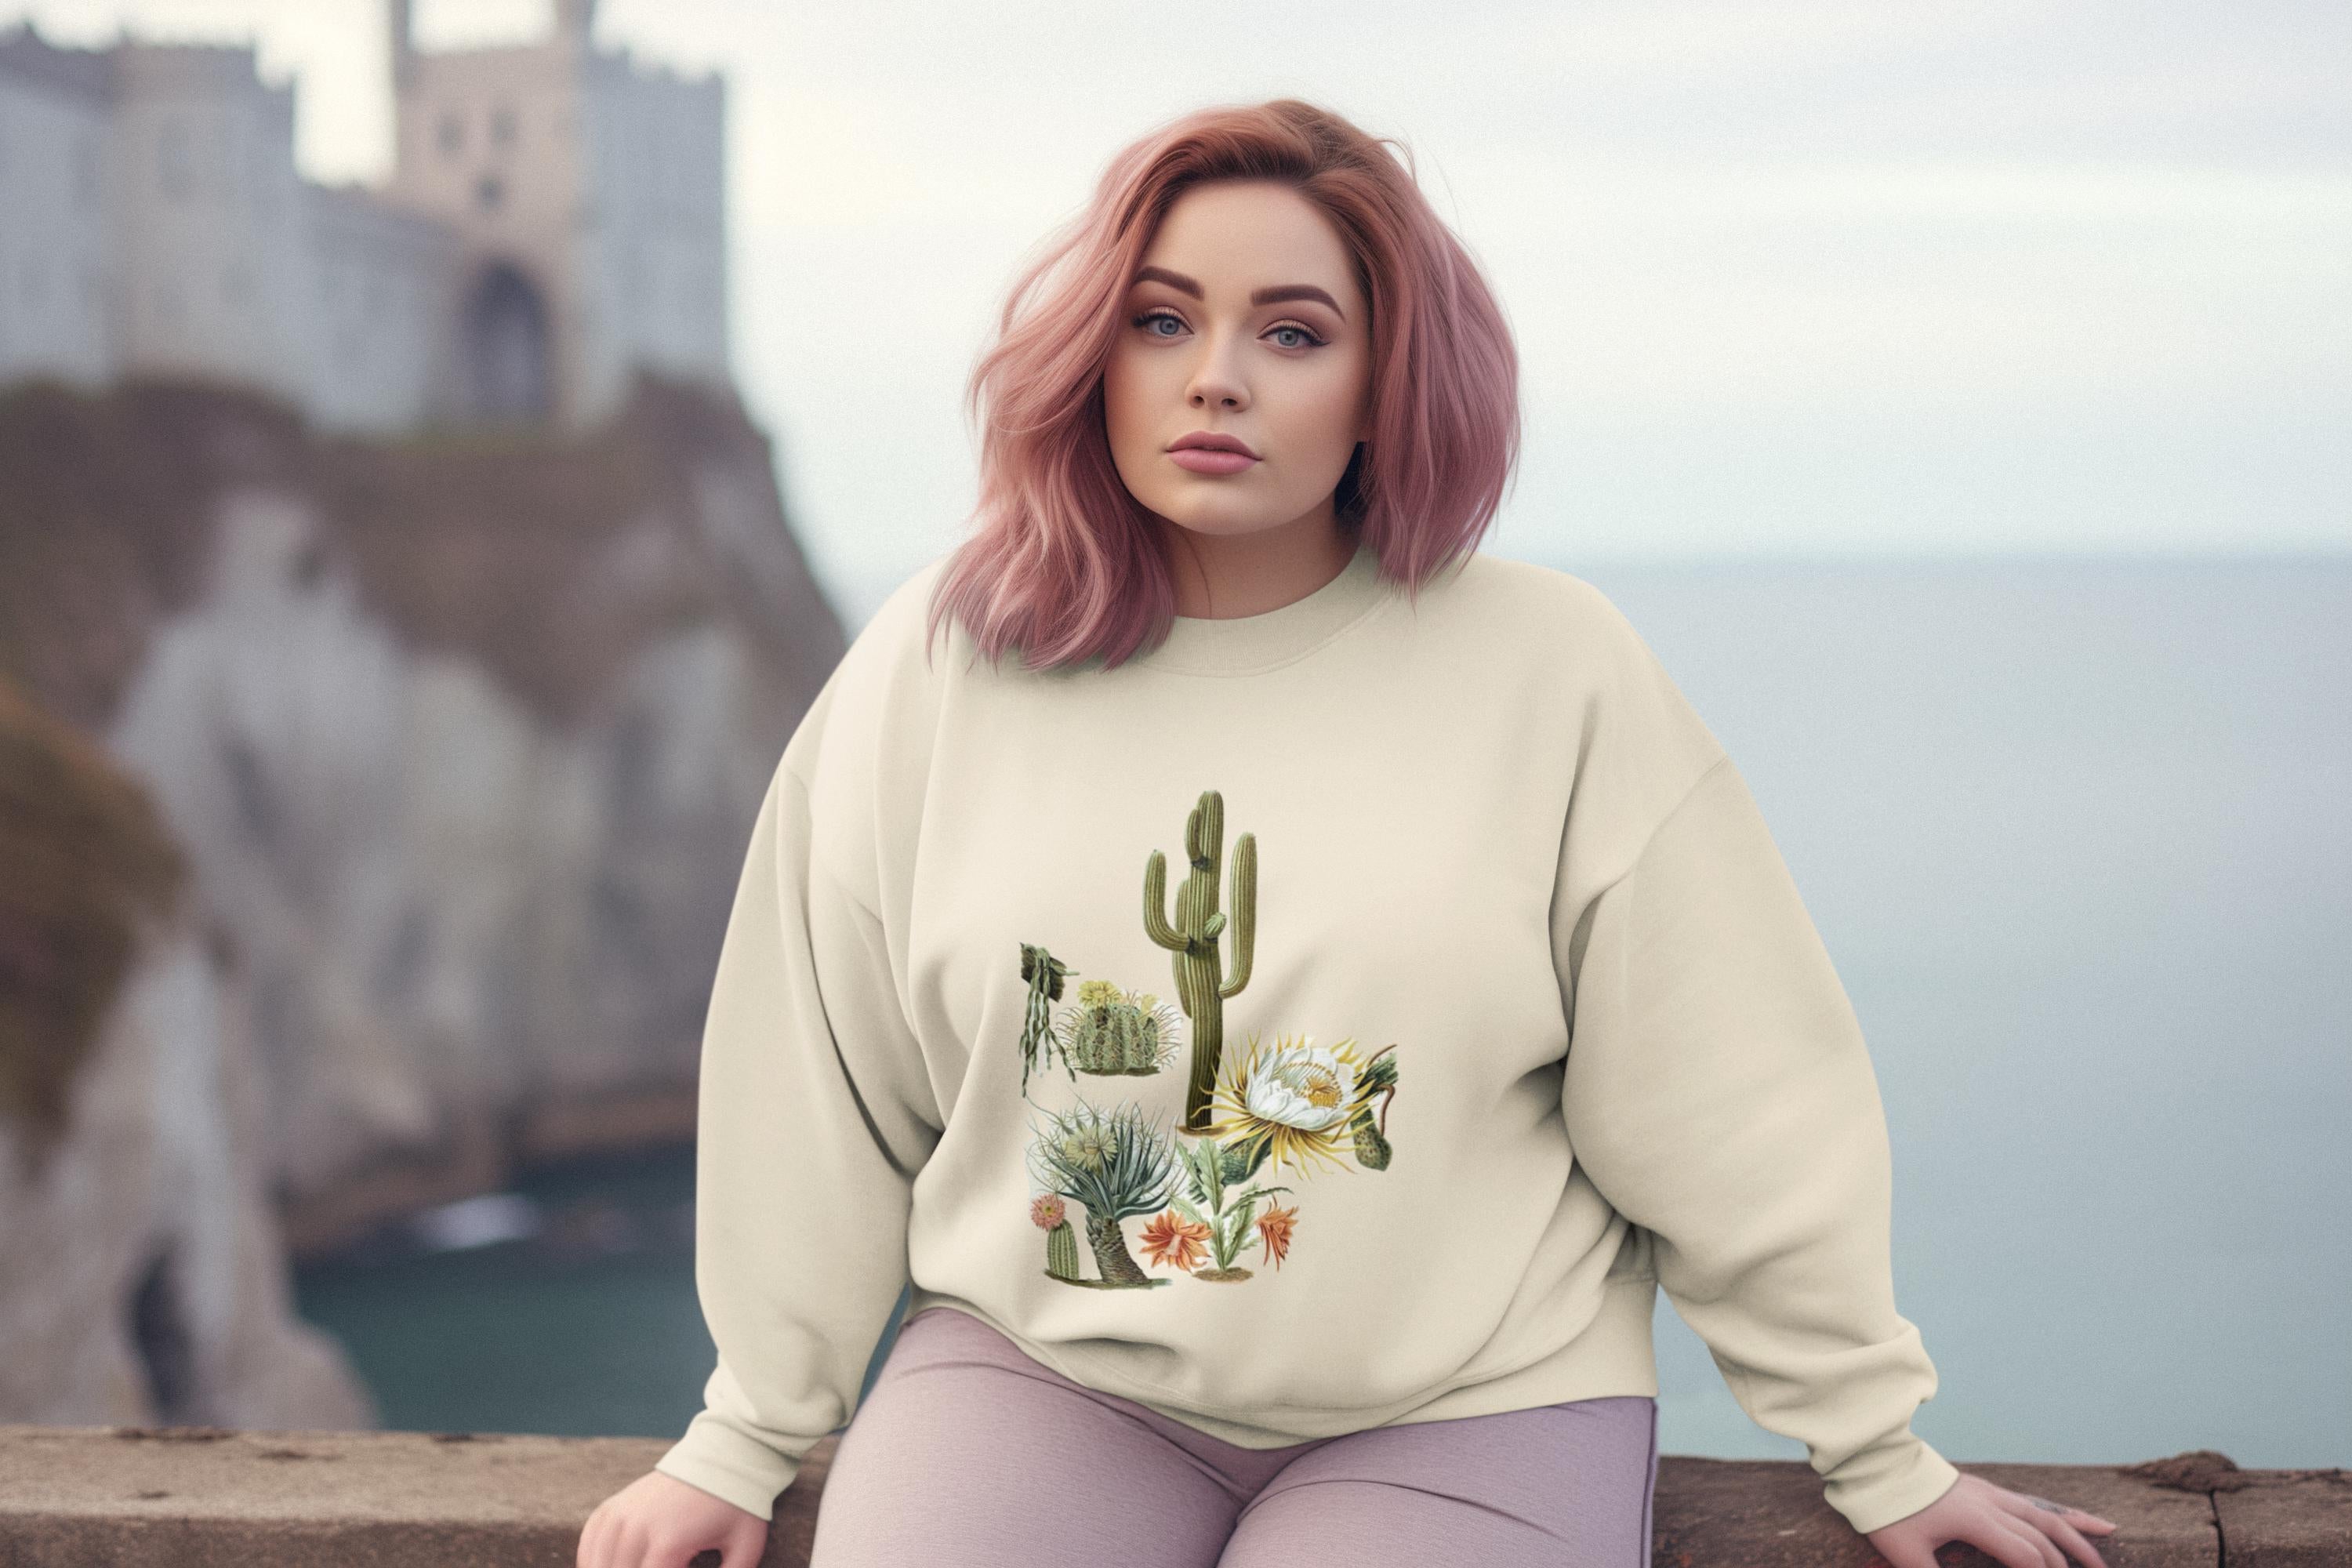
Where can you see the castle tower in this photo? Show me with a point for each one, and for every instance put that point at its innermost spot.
(587, 192)
(576, 20)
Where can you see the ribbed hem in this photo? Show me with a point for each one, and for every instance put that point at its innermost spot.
(731, 1467)
(1611, 1356)
(1898, 1484)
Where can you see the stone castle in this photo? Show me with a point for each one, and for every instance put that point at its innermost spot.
(555, 220)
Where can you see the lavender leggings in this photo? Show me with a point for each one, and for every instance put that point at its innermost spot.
(967, 1452)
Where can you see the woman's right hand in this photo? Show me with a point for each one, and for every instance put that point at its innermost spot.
(659, 1522)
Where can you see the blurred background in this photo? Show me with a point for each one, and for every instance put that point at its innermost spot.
(444, 446)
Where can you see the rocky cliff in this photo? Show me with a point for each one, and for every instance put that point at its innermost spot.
(462, 741)
(143, 1272)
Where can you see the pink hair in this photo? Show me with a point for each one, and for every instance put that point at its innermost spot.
(1063, 563)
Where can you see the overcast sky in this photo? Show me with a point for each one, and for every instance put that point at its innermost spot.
(1787, 277)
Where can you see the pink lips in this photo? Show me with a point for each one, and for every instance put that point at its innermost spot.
(1203, 452)
(1210, 460)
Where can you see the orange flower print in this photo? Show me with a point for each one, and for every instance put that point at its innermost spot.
(1274, 1227)
(1046, 1213)
(1169, 1237)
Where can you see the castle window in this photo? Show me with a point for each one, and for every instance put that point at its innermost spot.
(452, 132)
(490, 193)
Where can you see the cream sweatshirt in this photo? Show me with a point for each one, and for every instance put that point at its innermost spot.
(1341, 1017)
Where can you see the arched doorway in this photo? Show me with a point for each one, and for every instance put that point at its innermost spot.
(506, 347)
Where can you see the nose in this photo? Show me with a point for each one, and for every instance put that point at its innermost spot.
(1215, 383)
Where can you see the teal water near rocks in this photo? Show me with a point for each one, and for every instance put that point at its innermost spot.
(565, 1306)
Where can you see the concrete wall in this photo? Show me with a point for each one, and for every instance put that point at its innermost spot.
(656, 149)
(193, 1497)
(385, 289)
(211, 233)
(55, 286)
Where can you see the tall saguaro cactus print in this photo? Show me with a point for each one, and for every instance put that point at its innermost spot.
(1202, 986)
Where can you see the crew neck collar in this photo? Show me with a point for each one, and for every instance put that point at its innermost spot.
(1238, 645)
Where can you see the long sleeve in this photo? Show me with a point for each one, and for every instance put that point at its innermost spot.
(816, 1114)
(1718, 1093)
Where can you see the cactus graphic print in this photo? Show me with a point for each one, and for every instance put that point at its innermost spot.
(1205, 1176)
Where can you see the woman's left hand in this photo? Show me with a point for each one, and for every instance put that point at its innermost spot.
(2012, 1528)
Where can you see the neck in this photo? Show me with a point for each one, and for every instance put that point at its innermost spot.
(1222, 576)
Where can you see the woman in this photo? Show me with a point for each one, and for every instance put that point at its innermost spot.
(1186, 1007)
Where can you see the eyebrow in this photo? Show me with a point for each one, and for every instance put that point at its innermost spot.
(1274, 295)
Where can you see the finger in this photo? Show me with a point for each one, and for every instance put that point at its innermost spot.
(2056, 1521)
(745, 1543)
(593, 1552)
(1909, 1554)
(2078, 1547)
(2080, 1516)
(2012, 1545)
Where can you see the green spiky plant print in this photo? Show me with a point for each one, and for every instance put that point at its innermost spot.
(1220, 1222)
(1115, 1031)
(1116, 1166)
(1202, 984)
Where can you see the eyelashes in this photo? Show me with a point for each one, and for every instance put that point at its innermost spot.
(1313, 339)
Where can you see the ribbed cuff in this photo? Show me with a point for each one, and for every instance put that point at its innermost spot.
(1894, 1487)
(731, 1467)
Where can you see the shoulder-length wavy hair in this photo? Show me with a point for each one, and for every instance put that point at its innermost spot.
(1063, 563)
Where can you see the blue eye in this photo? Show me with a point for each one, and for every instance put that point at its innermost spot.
(1151, 316)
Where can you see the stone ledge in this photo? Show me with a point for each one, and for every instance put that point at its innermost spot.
(207, 1498)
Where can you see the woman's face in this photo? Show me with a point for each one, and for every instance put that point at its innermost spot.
(1244, 320)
